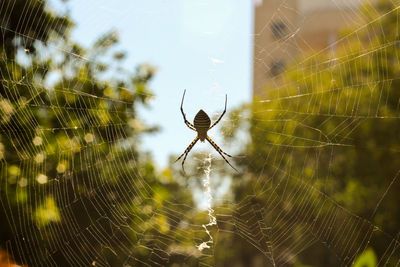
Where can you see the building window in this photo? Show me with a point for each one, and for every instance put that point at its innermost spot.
(277, 67)
(278, 29)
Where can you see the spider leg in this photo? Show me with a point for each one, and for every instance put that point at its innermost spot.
(187, 152)
(220, 117)
(183, 161)
(188, 124)
(219, 150)
(191, 127)
(217, 147)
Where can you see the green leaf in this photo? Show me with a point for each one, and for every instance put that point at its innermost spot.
(366, 259)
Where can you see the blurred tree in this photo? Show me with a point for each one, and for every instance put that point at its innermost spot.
(25, 22)
(323, 152)
(69, 147)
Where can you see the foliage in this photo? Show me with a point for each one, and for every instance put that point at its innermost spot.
(324, 145)
(321, 154)
(30, 30)
(69, 145)
(366, 259)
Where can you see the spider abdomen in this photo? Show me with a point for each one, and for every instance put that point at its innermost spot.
(202, 123)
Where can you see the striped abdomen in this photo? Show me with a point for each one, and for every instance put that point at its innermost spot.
(202, 123)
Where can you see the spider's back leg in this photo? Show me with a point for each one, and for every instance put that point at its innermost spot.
(187, 150)
(219, 150)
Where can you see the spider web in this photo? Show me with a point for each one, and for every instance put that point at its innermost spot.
(128, 222)
(281, 230)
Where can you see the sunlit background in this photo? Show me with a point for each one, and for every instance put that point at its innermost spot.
(307, 173)
(202, 46)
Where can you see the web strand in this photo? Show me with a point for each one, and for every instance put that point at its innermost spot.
(207, 192)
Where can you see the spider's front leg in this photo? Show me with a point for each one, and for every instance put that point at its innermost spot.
(223, 113)
(188, 124)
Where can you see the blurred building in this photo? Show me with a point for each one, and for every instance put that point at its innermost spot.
(284, 30)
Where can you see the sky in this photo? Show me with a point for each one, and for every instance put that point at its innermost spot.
(202, 46)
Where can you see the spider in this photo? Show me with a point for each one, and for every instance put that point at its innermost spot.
(201, 125)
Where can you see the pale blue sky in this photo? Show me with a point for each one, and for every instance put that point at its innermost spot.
(204, 46)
